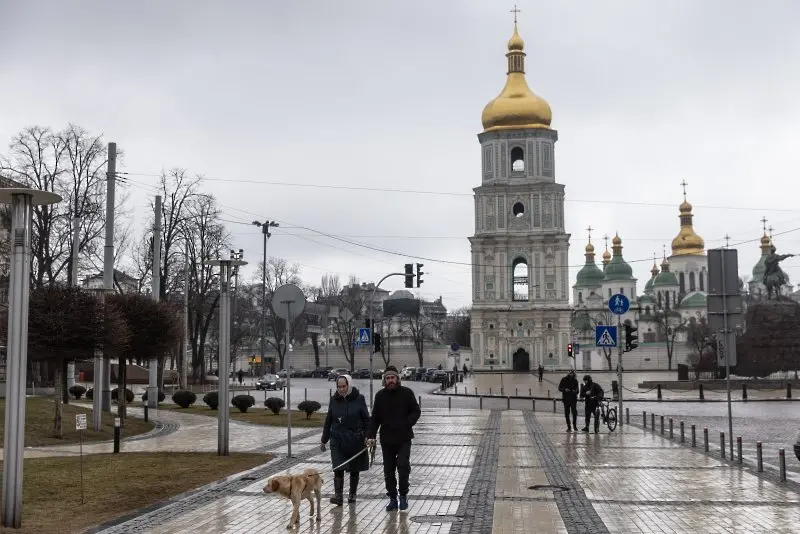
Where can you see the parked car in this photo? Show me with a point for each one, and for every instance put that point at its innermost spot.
(420, 374)
(361, 373)
(438, 376)
(321, 372)
(429, 375)
(377, 374)
(409, 373)
(303, 373)
(336, 372)
(270, 382)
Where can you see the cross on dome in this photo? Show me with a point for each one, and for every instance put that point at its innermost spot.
(684, 184)
(589, 229)
(515, 11)
(764, 224)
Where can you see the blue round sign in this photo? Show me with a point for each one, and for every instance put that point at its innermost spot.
(619, 304)
(454, 347)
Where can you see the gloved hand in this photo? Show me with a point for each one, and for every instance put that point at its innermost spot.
(322, 447)
(370, 443)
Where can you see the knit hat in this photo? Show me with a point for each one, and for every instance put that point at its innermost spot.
(391, 370)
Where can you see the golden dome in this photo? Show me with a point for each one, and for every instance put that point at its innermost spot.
(665, 265)
(516, 106)
(617, 241)
(654, 271)
(590, 248)
(766, 244)
(606, 256)
(687, 241)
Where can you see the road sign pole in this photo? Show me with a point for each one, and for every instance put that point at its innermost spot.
(620, 350)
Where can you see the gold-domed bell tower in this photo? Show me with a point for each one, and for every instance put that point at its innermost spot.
(688, 260)
(519, 250)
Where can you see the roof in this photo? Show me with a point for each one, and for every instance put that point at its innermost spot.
(695, 299)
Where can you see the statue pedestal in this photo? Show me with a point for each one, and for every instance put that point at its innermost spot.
(771, 342)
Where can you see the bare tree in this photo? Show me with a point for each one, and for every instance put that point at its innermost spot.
(458, 327)
(669, 324)
(419, 327)
(352, 299)
(279, 272)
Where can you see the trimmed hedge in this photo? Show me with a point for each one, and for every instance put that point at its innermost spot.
(90, 393)
(243, 402)
(212, 399)
(161, 396)
(309, 407)
(77, 391)
(129, 396)
(274, 404)
(183, 398)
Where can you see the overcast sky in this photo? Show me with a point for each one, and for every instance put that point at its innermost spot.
(368, 94)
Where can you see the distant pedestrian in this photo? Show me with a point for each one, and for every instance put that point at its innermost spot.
(240, 374)
(346, 427)
(541, 372)
(466, 371)
(593, 394)
(569, 395)
(395, 411)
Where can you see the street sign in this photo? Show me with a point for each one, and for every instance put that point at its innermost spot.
(619, 304)
(727, 349)
(80, 421)
(576, 348)
(364, 337)
(605, 336)
(454, 347)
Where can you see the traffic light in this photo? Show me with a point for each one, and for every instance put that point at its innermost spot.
(631, 339)
(569, 350)
(376, 343)
(409, 275)
(419, 274)
(366, 323)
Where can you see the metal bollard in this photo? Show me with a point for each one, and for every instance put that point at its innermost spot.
(759, 458)
(530, 392)
(449, 402)
(476, 391)
(702, 397)
(744, 391)
(653, 422)
(305, 394)
(480, 404)
(662, 424)
(644, 419)
(116, 435)
(705, 439)
(683, 434)
(533, 404)
(455, 390)
(659, 391)
(739, 449)
(627, 416)
(145, 413)
(671, 435)
(554, 406)
(516, 392)
(782, 458)
(502, 391)
(490, 391)
(788, 393)
(722, 444)
(694, 437)
(508, 403)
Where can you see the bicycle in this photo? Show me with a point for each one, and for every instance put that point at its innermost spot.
(608, 414)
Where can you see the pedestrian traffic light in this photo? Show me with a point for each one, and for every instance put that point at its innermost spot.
(376, 343)
(569, 350)
(409, 275)
(631, 339)
(366, 323)
(419, 274)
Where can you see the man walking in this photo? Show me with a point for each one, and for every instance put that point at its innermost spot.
(541, 372)
(395, 411)
(569, 395)
(593, 393)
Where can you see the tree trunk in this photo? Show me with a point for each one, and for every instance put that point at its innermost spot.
(64, 389)
(59, 406)
(122, 400)
(315, 346)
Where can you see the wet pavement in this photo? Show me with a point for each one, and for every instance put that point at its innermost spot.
(505, 471)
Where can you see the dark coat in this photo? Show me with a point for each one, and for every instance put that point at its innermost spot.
(593, 394)
(347, 417)
(394, 412)
(569, 389)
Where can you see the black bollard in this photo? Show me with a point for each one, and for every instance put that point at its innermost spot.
(508, 403)
(145, 413)
(490, 391)
(702, 397)
(644, 419)
(480, 403)
(744, 391)
(659, 391)
(449, 400)
(789, 390)
(554, 406)
(516, 392)
(530, 392)
(116, 435)
(722, 444)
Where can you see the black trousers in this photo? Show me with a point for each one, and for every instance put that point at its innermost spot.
(396, 457)
(571, 406)
(591, 408)
(338, 481)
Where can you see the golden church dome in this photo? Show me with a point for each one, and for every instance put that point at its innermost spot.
(589, 248)
(606, 256)
(516, 106)
(766, 241)
(687, 241)
(617, 241)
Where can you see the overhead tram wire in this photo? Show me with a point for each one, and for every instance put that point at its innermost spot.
(469, 264)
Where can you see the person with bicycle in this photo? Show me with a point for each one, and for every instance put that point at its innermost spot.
(592, 394)
(569, 395)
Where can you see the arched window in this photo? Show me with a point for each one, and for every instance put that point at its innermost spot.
(519, 280)
(580, 297)
(702, 282)
(659, 300)
(682, 283)
(647, 310)
(517, 159)
(691, 281)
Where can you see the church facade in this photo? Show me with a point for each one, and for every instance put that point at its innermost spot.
(520, 249)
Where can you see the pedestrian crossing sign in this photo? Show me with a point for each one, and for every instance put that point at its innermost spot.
(363, 336)
(605, 336)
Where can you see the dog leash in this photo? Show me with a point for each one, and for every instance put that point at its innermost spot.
(356, 455)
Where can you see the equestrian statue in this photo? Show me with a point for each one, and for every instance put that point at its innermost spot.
(774, 277)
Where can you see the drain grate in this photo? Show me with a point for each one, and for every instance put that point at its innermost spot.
(548, 487)
(249, 478)
(437, 519)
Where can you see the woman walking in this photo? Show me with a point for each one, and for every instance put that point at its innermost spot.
(345, 427)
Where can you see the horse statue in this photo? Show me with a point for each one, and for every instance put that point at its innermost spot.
(774, 277)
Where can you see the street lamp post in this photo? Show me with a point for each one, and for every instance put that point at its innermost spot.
(265, 226)
(22, 201)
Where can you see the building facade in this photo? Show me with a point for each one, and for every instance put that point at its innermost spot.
(519, 251)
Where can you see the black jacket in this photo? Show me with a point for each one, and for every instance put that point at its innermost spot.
(394, 412)
(569, 389)
(593, 393)
(347, 418)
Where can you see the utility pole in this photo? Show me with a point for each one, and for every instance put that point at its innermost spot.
(265, 226)
(76, 236)
(187, 345)
(152, 386)
(108, 286)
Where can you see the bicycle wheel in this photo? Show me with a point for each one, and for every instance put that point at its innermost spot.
(611, 420)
